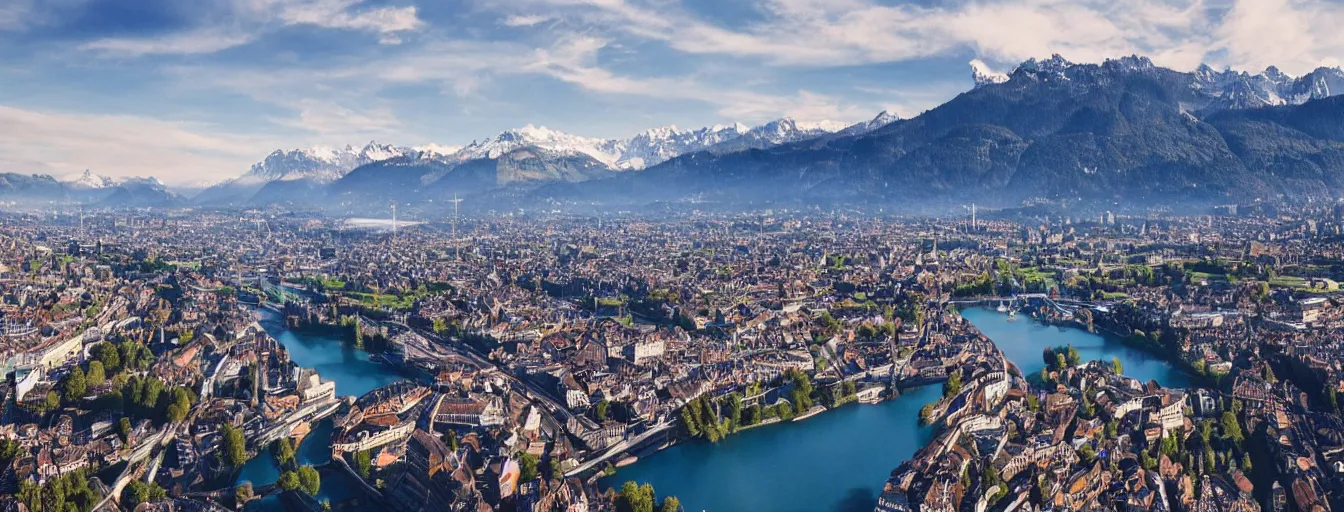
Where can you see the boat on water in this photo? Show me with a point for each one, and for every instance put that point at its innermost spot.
(1002, 308)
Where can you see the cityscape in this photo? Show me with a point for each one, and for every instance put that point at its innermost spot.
(671, 256)
(201, 360)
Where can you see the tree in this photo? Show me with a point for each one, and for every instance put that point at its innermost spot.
(635, 498)
(953, 384)
(363, 461)
(124, 429)
(283, 451)
(671, 504)
(233, 446)
(289, 481)
(137, 492)
(74, 385)
(309, 480)
(96, 375)
(1117, 366)
(1085, 454)
(67, 493)
(106, 353)
(802, 391)
(450, 440)
(1246, 462)
(1231, 428)
(527, 467)
(1170, 446)
(51, 401)
(601, 410)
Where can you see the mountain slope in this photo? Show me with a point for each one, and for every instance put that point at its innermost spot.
(318, 164)
(1118, 131)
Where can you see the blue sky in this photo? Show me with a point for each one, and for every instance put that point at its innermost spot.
(198, 90)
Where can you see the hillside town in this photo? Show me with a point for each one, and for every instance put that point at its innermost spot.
(155, 360)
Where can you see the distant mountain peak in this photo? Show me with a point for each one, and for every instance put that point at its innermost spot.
(90, 181)
(883, 118)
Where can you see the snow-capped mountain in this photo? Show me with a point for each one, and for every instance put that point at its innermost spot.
(779, 131)
(90, 181)
(1271, 87)
(650, 147)
(320, 163)
(884, 118)
(540, 137)
(523, 151)
(437, 150)
(983, 75)
(659, 145)
(1215, 90)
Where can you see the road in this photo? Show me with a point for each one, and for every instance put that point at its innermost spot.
(469, 352)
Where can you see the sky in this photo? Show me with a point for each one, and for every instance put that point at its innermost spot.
(197, 91)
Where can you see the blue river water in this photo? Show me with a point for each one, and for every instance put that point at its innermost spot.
(833, 462)
(334, 360)
(837, 461)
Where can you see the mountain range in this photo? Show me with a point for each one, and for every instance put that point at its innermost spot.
(1051, 130)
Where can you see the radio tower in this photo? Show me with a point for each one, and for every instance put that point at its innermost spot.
(394, 220)
(457, 245)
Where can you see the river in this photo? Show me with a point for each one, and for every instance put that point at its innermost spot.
(334, 360)
(838, 460)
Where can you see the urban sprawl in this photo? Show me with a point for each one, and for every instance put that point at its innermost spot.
(540, 353)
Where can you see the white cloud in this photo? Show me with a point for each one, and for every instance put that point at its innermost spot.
(519, 21)
(15, 14)
(61, 143)
(247, 20)
(338, 14)
(574, 61)
(1296, 34)
(329, 120)
(186, 43)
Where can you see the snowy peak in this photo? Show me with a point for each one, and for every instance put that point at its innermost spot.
(983, 75)
(1226, 89)
(535, 136)
(90, 181)
(320, 163)
(659, 145)
(884, 118)
(1271, 87)
(787, 129)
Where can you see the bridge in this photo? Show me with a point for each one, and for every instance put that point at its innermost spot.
(1020, 298)
(279, 293)
(618, 448)
(551, 402)
(133, 468)
(306, 414)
